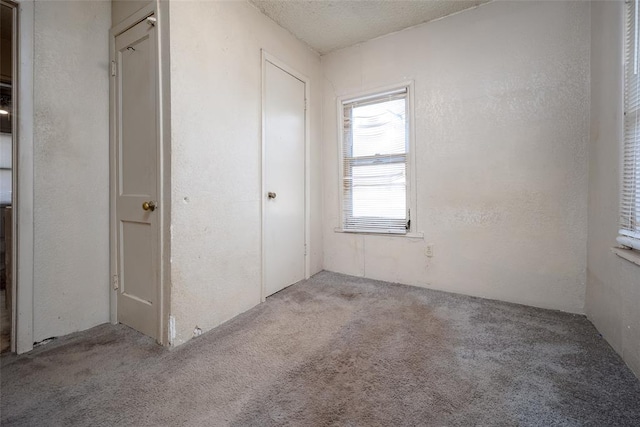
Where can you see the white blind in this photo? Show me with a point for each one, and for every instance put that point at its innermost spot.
(374, 170)
(630, 197)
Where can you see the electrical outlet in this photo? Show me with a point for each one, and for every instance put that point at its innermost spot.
(428, 251)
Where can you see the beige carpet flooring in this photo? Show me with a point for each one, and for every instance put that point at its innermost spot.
(334, 351)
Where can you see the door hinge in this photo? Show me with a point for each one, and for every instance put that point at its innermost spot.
(116, 282)
(306, 104)
(113, 68)
(305, 250)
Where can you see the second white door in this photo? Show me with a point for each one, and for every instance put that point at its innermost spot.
(136, 199)
(284, 162)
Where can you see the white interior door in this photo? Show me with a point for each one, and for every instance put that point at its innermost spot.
(137, 218)
(284, 162)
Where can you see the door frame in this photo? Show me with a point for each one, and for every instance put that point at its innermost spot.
(267, 57)
(23, 174)
(22, 177)
(159, 9)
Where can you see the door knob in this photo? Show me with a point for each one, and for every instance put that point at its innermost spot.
(149, 206)
(271, 195)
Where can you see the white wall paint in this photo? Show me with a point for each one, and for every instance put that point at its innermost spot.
(613, 284)
(71, 160)
(502, 110)
(216, 140)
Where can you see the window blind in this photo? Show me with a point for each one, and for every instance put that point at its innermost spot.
(630, 197)
(374, 153)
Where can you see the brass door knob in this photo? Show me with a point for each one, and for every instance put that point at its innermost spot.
(271, 195)
(149, 206)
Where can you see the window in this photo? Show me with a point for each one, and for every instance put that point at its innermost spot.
(630, 198)
(375, 152)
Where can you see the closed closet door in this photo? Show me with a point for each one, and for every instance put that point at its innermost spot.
(284, 127)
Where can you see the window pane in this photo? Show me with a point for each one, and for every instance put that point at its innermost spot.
(379, 128)
(375, 147)
(379, 191)
(630, 194)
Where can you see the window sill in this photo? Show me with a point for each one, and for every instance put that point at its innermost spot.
(628, 254)
(416, 235)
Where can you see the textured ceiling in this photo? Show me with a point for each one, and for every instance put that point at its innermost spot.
(330, 25)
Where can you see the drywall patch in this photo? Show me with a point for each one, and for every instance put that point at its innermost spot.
(172, 329)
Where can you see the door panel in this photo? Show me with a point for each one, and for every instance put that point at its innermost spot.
(136, 240)
(137, 170)
(285, 177)
(138, 120)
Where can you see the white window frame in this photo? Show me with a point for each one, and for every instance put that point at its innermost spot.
(412, 231)
(629, 236)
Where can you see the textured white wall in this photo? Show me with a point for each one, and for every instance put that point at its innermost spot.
(502, 111)
(71, 166)
(613, 284)
(215, 155)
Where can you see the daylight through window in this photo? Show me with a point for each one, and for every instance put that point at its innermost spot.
(374, 152)
(630, 199)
